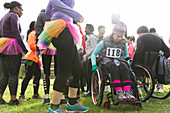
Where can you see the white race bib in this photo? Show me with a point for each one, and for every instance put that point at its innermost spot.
(113, 52)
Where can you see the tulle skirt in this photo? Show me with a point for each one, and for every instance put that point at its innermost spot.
(53, 30)
(48, 52)
(10, 46)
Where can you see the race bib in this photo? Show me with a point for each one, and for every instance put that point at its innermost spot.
(113, 52)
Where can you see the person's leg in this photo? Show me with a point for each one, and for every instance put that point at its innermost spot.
(77, 71)
(13, 62)
(4, 78)
(37, 76)
(113, 69)
(55, 65)
(28, 76)
(64, 44)
(86, 76)
(46, 60)
(125, 78)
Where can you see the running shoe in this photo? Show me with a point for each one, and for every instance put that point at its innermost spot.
(121, 96)
(107, 89)
(3, 102)
(37, 97)
(76, 108)
(22, 98)
(129, 96)
(13, 102)
(86, 93)
(59, 110)
(46, 101)
(161, 90)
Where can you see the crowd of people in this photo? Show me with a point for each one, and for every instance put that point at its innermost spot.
(56, 33)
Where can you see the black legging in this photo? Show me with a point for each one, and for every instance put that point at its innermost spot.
(10, 66)
(46, 61)
(120, 72)
(88, 74)
(30, 71)
(68, 61)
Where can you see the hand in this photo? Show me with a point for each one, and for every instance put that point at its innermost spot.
(81, 20)
(94, 68)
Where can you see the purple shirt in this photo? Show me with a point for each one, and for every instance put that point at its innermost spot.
(58, 9)
(10, 27)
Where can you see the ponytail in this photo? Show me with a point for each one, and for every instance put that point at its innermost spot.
(12, 5)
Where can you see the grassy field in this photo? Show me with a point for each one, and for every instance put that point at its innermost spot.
(36, 106)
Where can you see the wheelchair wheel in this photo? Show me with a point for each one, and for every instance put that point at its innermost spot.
(161, 91)
(134, 86)
(97, 87)
(145, 81)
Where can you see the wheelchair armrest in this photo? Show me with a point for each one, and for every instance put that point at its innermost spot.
(127, 58)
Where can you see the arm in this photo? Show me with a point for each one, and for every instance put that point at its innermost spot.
(39, 25)
(126, 52)
(165, 49)
(96, 51)
(92, 44)
(16, 32)
(59, 5)
(48, 10)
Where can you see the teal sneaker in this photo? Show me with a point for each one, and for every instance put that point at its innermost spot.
(76, 108)
(59, 110)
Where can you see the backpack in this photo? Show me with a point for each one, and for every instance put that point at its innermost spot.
(161, 68)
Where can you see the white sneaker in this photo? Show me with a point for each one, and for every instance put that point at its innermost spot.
(156, 89)
(85, 93)
(107, 89)
(161, 90)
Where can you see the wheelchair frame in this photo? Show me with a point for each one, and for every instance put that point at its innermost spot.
(101, 79)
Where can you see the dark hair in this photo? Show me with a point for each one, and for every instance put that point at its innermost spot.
(100, 27)
(31, 28)
(90, 27)
(131, 38)
(43, 10)
(152, 30)
(142, 29)
(12, 5)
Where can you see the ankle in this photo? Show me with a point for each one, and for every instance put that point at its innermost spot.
(54, 107)
(72, 101)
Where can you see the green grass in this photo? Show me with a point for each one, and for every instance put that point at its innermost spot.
(36, 106)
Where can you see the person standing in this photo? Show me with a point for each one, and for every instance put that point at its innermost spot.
(46, 55)
(11, 50)
(101, 30)
(131, 48)
(90, 46)
(32, 66)
(65, 38)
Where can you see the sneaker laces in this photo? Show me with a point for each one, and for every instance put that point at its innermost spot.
(79, 104)
(61, 109)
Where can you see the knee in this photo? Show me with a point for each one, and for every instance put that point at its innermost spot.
(124, 66)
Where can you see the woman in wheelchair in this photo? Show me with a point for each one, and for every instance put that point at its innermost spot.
(113, 50)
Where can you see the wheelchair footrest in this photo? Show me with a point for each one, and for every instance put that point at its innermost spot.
(129, 102)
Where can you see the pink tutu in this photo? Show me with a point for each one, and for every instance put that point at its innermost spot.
(11, 48)
(48, 52)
